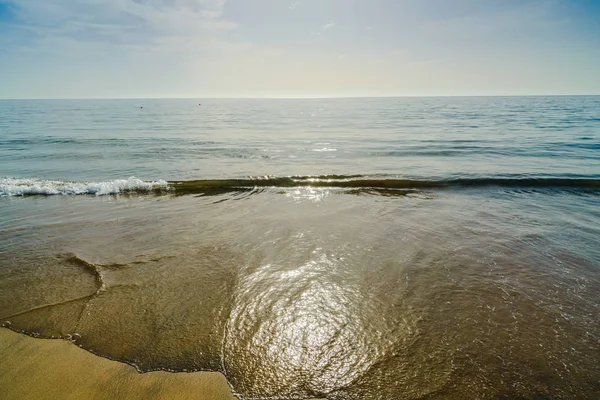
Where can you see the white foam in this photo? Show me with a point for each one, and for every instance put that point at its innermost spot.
(30, 187)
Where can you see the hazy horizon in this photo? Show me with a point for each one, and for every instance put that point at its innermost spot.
(292, 98)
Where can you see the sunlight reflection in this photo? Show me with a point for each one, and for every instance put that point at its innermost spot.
(303, 324)
(308, 193)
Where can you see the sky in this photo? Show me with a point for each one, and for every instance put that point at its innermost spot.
(304, 48)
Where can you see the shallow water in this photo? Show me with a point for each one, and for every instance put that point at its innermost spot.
(317, 292)
(471, 284)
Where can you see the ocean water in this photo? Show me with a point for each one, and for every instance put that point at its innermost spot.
(393, 248)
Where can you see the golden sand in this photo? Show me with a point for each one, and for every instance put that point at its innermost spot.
(56, 369)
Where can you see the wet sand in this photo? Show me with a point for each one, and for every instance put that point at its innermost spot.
(57, 369)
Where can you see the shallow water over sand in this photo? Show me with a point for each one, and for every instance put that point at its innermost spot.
(306, 292)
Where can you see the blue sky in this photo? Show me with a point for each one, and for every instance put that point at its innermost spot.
(303, 48)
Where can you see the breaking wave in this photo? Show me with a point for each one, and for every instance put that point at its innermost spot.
(32, 187)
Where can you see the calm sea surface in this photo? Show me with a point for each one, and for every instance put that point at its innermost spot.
(397, 248)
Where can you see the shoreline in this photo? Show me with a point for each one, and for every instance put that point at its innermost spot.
(53, 368)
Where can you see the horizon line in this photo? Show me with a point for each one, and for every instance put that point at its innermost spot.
(297, 97)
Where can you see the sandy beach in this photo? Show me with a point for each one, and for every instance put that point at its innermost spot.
(57, 369)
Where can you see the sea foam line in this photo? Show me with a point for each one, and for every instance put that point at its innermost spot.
(32, 187)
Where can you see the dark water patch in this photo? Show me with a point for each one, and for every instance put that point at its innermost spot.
(217, 191)
(232, 194)
(201, 186)
(112, 142)
(325, 177)
(554, 191)
(583, 146)
(564, 151)
(383, 192)
(39, 141)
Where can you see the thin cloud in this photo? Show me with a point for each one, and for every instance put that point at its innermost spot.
(96, 19)
(325, 27)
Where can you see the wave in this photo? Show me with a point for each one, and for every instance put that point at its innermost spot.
(29, 187)
(32, 187)
(357, 181)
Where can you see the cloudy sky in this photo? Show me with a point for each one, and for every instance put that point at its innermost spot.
(304, 48)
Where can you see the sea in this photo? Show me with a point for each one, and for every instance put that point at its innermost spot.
(356, 248)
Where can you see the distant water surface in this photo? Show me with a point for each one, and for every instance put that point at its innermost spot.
(427, 248)
(422, 138)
